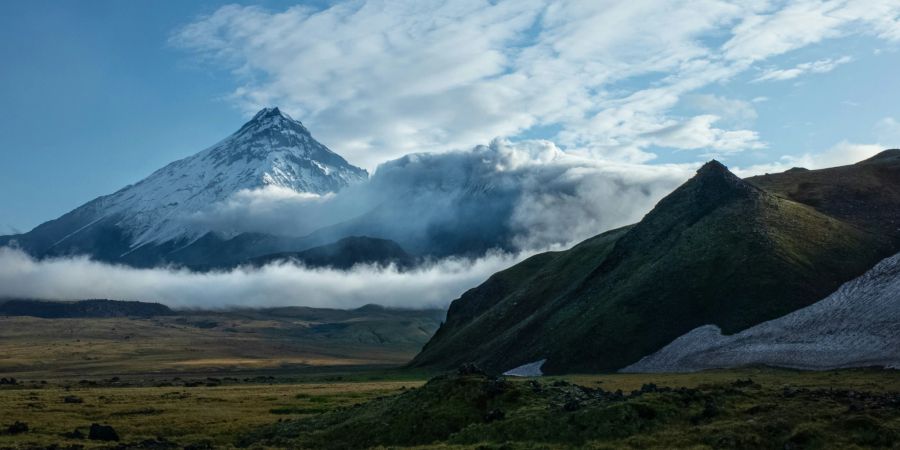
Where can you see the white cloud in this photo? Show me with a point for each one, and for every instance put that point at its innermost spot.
(698, 133)
(737, 111)
(820, 66)
(841, 154)
(378, 79)
(274, 285)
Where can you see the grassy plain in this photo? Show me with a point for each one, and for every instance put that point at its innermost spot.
(781, 409)
(314, 379)
(211, 342)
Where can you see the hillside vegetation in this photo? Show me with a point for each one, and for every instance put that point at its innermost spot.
(718, 250)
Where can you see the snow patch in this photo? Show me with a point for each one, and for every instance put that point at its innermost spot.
(857, 326)
(532, 369)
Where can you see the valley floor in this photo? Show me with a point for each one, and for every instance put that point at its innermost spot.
(721, 409)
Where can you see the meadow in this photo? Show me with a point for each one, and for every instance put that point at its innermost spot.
(836, 409)
(314, 379)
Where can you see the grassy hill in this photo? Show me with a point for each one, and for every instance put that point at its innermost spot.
(718, 250)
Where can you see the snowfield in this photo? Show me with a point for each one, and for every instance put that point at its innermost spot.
(857, 326)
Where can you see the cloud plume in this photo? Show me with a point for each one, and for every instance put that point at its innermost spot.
(515, 197)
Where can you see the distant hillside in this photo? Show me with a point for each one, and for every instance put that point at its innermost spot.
(718, 250)
(82, 309)
(286, 340)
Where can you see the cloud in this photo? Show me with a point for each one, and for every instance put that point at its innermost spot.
(699, 133)
(516, 196)
(522, 197)
(378, 79)
(75, 278)
(820, 66)
(888, 130)
(381, 79)
(841, 154)
(737, 111)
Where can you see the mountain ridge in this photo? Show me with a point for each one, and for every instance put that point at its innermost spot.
(716, 250)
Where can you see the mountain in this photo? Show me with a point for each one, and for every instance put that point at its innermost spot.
(854, 327)
(865, 194)
(82, 309)
(718, 250)
(147, 223)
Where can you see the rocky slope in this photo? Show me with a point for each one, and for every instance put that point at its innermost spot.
(718, 250)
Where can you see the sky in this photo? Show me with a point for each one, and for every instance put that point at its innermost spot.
(97, 95)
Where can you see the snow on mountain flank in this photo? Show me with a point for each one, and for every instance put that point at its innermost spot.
(272, 149)
(857, 326)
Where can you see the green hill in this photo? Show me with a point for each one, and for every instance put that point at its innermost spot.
(718, 250)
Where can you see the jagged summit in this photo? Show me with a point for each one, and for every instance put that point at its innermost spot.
(272, 118)
(713, 166)
(713, 186)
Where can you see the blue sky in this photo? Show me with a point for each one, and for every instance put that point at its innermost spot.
(96, 95)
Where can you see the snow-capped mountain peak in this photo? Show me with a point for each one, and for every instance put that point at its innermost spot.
(271, 149)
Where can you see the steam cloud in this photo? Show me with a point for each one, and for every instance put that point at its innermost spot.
(526, 195)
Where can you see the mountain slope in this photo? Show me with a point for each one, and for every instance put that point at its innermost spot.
(154, 214)
(854, 327)
(716, 250)
(865, 194)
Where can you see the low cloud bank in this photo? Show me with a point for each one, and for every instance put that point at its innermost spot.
(433, 285)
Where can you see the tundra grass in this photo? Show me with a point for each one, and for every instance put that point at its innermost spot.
(719, 409)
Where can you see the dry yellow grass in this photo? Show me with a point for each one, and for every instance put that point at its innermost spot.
(69, 348)
(184, 415)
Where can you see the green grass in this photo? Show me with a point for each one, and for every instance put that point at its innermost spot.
(752, 409)
(215, 415)
(781, 407)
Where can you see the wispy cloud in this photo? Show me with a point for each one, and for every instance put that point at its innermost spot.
(380, 79)
(820, 66)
